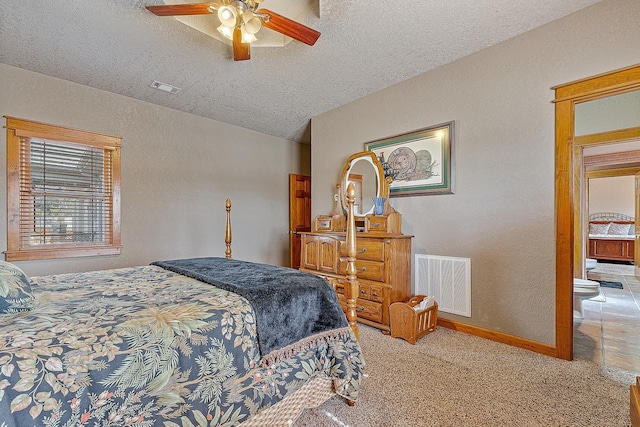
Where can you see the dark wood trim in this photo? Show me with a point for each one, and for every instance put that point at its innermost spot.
(500, 337)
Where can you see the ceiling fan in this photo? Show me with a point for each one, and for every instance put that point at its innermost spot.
(240, 20)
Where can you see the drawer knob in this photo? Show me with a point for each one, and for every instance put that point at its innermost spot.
(361, 270)
(375, 294)
(362, 251)
(361, 308)
(376, 225)
(363, 291)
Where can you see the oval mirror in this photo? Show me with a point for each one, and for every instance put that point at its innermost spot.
(364, 171)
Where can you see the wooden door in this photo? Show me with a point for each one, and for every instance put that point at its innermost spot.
(636, 243)
(299, 214)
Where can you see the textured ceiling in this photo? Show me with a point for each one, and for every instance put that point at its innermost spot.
(118, 46)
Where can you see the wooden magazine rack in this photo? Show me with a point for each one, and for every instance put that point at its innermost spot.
(409, 324)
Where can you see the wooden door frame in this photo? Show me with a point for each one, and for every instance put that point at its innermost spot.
(569, 188)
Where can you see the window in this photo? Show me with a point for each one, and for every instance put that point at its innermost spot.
(63, 192)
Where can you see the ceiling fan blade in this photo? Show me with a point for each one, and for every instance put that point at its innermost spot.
(290, 28)
(184, 9)
(241, 50)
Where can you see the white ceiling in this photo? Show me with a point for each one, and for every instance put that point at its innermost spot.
(118, 46)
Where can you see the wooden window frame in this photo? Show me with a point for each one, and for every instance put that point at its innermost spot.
(21, 128)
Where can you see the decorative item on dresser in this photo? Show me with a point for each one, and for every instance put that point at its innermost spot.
(383, 253)
(196, 341)
(611, 236)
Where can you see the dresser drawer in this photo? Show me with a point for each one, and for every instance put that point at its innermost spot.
(376, 293)
(339, 284)
(370, 270)
(365, 292)
(369, 310)
(323, 224)
(371, 292)
(366, 249)
(364, 309)
(376, 224)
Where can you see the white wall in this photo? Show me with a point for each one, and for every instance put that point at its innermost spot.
(177, 171)
(612, 194)
(502, 213)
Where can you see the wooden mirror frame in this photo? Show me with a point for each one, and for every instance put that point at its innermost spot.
(568, 208)
(382, 189)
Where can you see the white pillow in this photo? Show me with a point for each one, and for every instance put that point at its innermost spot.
(618, 229)
(599, 228)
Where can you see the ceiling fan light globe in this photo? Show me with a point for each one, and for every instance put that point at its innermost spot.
(247, 37)
(227, 16)
(252, 25)
(226, 31)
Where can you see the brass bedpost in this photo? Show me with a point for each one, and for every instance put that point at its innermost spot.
(227, 231)
(351, 288)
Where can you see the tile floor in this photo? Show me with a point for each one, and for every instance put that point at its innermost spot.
(610, 331)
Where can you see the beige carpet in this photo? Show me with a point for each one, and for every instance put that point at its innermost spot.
(454, 379)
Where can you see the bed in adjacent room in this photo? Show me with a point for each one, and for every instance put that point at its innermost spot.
(177, 343)
(611, 236)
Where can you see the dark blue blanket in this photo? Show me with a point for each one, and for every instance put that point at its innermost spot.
(290, 305)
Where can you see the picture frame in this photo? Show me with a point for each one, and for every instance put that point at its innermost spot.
(420, 162)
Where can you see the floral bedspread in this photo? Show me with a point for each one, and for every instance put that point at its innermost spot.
(144, 346)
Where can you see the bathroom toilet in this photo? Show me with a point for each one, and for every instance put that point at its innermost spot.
(591, 263)
(583, 289)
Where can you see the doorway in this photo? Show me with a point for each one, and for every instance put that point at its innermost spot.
(605, 328)
(570, 209)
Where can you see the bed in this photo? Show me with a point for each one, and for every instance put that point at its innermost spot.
(611, 236)
(169, 344)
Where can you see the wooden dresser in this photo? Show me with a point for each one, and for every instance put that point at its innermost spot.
(383, 253)
(383, 263)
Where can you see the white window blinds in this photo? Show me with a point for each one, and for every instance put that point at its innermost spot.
(65, 193)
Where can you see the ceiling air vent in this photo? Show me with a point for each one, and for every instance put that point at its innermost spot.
(164, 87)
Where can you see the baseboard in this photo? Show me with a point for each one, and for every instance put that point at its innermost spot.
(634, 403)
(500, 337)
